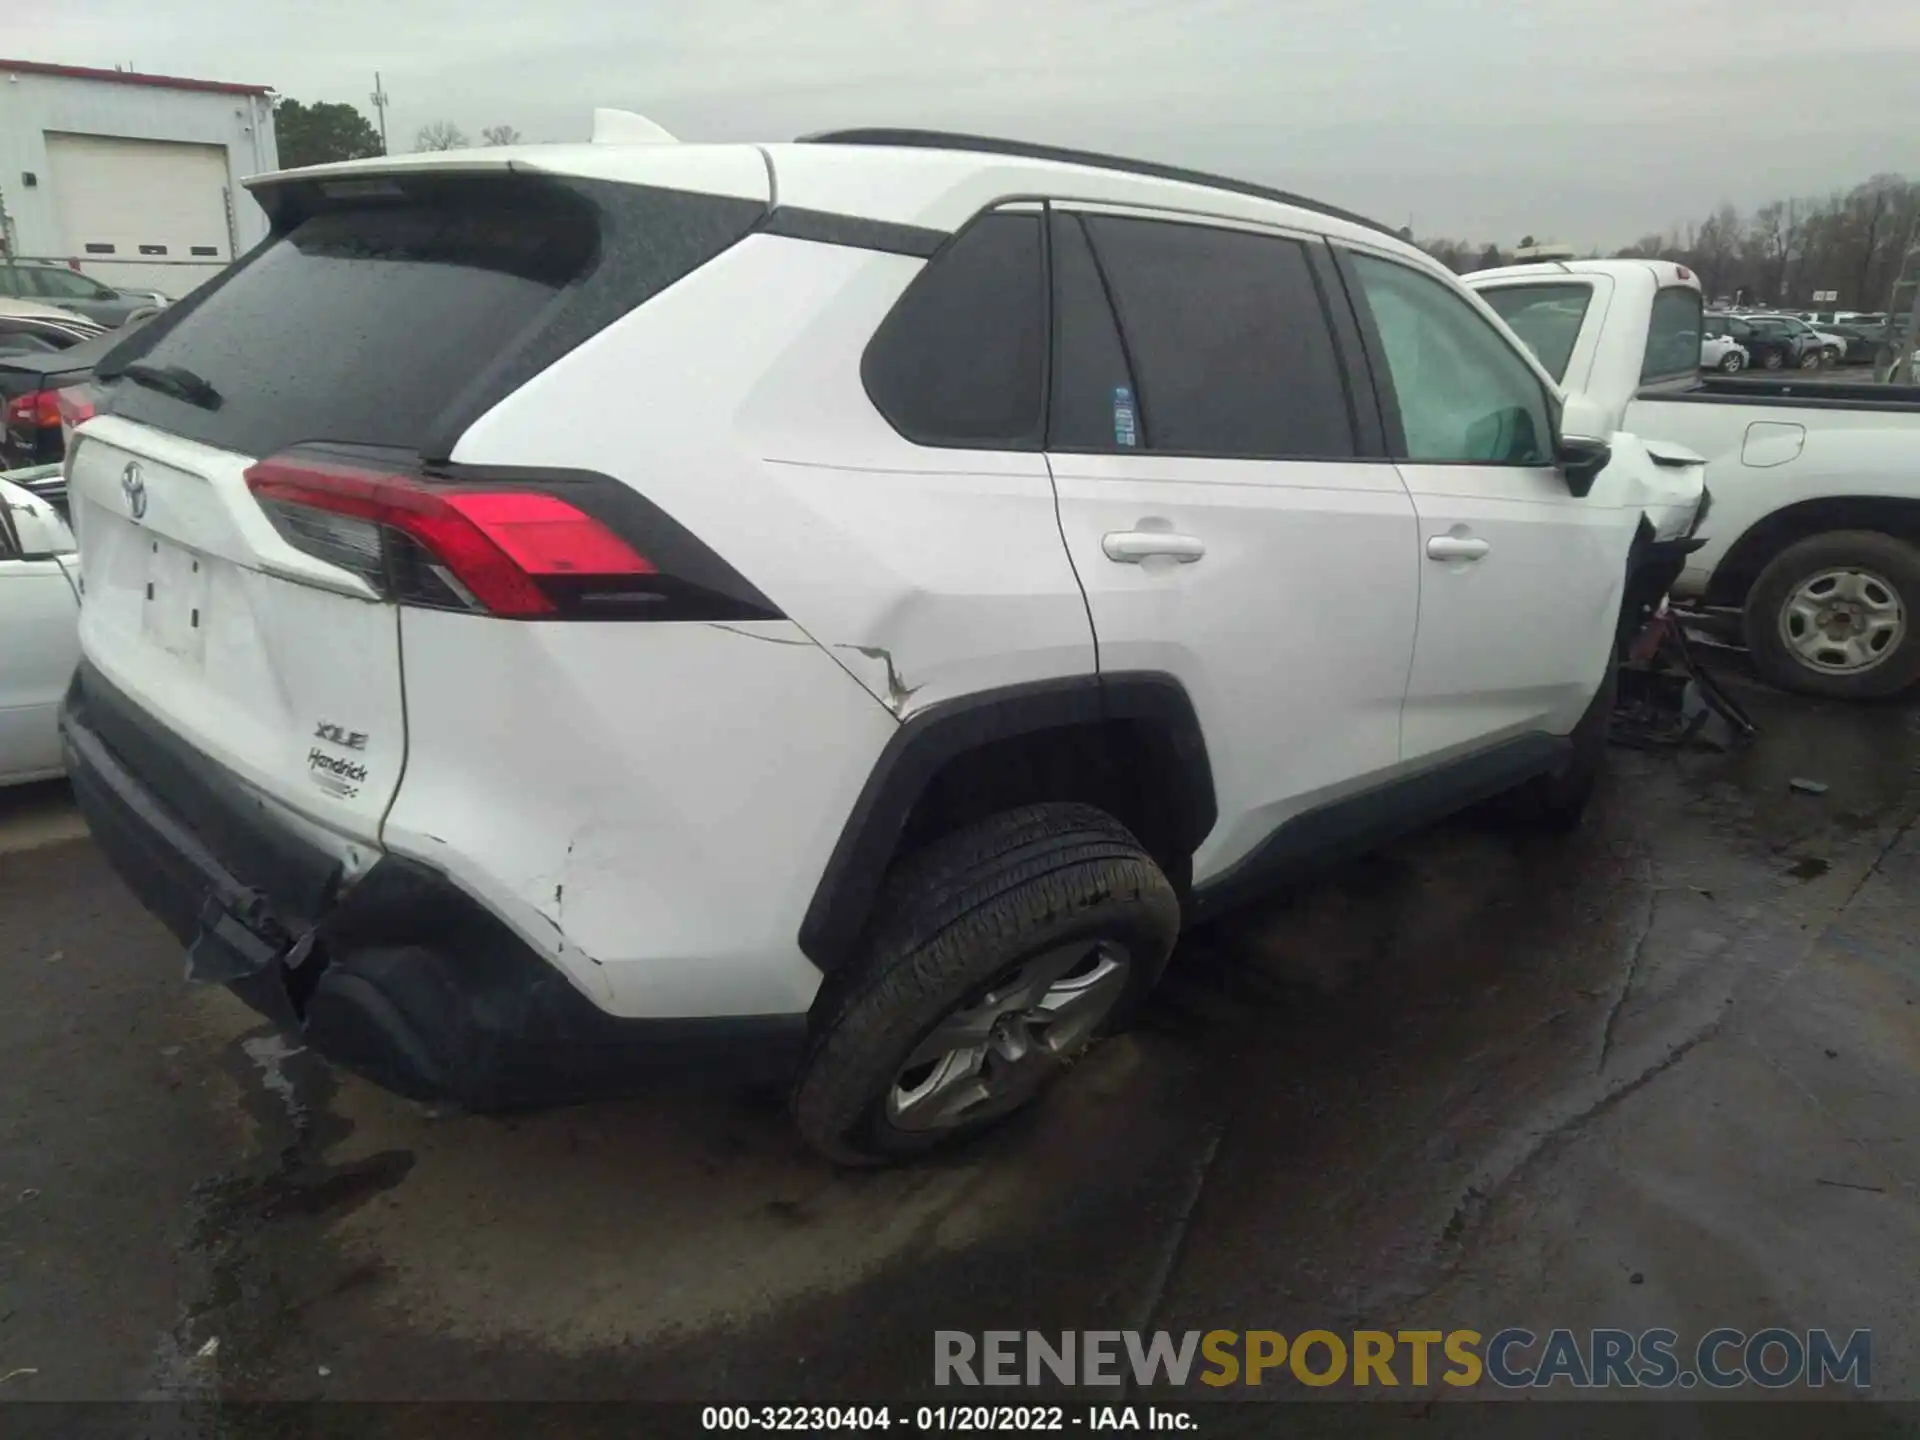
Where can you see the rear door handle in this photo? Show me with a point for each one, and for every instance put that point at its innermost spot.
(1130, 547)
(1455, 547)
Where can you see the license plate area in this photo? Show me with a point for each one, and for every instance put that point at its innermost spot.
(174, 614)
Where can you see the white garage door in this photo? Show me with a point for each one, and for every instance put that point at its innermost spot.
(127, 207)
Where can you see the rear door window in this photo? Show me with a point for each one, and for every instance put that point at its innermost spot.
(1673, 336)
(961, 359)
(1547, 317)
(373, 319)
(1228, 341)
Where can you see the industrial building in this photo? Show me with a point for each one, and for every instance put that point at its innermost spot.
(135, 179)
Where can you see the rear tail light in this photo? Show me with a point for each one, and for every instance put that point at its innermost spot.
(36, 410)
(73, 405)
(528, 549)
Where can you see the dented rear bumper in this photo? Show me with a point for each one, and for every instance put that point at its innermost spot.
(397, 974)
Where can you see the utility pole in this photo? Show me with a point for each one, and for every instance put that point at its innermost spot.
(1906, 279)
(380, 105)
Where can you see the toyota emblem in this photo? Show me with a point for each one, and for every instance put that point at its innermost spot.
(133, 485)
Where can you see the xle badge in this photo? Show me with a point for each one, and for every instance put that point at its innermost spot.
(338, 775)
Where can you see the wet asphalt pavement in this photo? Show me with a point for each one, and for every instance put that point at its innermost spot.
(1662, 1072)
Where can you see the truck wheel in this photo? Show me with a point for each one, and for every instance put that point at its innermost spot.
(1557, 801)
(995, 957)
(1835, 614)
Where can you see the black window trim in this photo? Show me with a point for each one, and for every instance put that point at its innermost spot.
(1376, 353)
(1120, 334)
(1352, 382)
(827, 227)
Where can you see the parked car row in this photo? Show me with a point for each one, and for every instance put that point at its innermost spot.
(1845, 337)
(1772, 342)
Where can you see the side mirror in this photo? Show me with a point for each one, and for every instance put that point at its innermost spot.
(1580, 443)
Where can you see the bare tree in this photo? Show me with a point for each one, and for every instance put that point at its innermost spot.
(1647, 247)
(1774, 239)
(440, 135)
(1851, 241)
(500, 135)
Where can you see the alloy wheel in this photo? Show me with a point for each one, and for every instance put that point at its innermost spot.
(992, 1053)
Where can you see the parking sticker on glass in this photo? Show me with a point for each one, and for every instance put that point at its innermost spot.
(1125, 430)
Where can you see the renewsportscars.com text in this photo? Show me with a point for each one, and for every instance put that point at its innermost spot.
(1513, 1358)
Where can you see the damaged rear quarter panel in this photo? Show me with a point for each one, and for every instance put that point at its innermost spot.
(649, 805)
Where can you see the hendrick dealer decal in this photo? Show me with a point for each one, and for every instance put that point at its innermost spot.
(338, 775)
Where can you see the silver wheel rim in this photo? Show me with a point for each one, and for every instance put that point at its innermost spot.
(1843, 622)
(991, 1055)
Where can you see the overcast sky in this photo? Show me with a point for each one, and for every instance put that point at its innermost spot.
(1588, 121)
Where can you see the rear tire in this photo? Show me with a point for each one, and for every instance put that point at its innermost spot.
(995, 957)
(1794, 592)
(1730, 363)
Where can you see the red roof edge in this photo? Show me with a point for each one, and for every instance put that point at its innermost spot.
(131, 77)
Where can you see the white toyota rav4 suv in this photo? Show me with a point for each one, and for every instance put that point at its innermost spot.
(558, 612)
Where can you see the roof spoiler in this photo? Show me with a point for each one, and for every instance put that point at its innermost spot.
(623, 127)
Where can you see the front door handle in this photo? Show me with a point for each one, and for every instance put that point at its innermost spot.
(1455, 547)
(1130, 547)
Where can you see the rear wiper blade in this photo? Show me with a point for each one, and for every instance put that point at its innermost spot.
(175, 380)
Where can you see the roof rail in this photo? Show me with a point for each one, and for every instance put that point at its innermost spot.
(988, 145)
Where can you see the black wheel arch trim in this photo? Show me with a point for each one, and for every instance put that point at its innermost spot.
(929, 740)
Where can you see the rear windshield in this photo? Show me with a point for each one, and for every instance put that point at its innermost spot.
(377, 320)
(1673, 337)
(1547, 317)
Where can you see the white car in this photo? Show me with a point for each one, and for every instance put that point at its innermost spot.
(833, 608)
(39, 633)
(1722, 352)
(27, 325)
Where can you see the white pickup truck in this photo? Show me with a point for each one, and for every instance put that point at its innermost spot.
(1814, 527)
